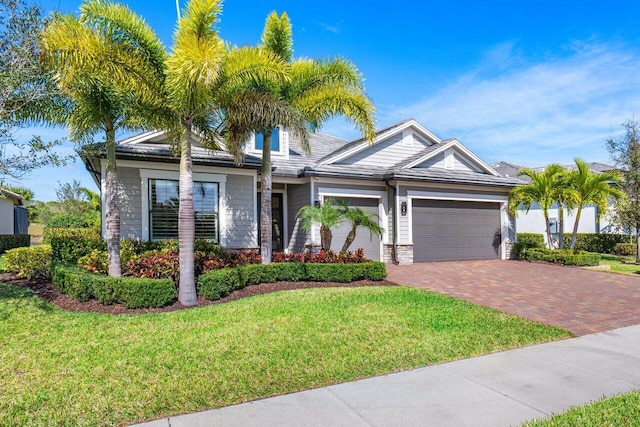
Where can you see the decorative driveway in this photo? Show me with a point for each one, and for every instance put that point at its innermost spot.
(582, 301)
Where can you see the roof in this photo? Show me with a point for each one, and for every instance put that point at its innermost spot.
(325, 158)
(15, 197)
(507, 169)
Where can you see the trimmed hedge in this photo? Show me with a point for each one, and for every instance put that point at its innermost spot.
(525, 242)
(67, 221)
(11, 241)
(562, 256)
(32, 262)
(217, 284)
(602, 243)
(82, 285)
(69, 244)
(625, 249)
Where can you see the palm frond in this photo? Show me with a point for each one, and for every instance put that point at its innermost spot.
(277, 36)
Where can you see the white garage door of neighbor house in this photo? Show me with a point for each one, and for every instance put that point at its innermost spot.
(364, 239)
(450, 230)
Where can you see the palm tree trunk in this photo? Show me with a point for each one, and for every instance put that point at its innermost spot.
(325, 238)
(349, 240)
(112, 209)
(561, 227)
(186, 222)
(574, 235)
(548, 228)
(265, 210)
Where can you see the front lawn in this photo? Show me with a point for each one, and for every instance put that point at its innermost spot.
(620, 264)
(66, 368)
(620, 411)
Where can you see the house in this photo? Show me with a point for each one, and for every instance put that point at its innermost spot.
(13, 216)
(533, 221)
(434, 198)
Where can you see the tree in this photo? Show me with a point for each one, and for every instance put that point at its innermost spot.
(23, 87)
(625, 152)
(314, 91)
(99, 67)
(358, 217)
(543, 190)
(565, 195)
(328, 215)
(592, 188)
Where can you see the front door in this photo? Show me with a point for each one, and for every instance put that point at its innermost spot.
(277, 225)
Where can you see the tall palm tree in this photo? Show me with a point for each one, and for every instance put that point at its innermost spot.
(102, 73)
(593, 188)
(359, 218)
(315, 91)
(191, 72)
(328, 215)
(541, 190)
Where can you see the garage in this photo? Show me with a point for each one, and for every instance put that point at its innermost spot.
(452, 230)
(364, 239)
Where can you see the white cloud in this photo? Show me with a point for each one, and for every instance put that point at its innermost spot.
(533, 112)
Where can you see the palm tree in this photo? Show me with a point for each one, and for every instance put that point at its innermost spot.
(358, 217)
(102, 73)
(541, 190)
(313, 92)
(191, 72)
(328, 215)
(565, 196)
(592, 188)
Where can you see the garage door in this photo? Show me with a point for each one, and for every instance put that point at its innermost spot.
(364, 239)
(449, 231)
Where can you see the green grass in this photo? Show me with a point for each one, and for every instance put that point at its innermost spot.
(619, 411)
(64, 368)
(620, 264)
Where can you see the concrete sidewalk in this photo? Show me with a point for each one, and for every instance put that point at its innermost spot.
(502, 389)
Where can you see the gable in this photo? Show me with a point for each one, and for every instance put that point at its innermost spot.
(449, 159)
(388, 152)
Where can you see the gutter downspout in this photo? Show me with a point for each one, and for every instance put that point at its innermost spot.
(394, 248)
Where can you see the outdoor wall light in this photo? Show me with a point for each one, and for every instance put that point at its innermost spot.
(316, 203)
(403, 208)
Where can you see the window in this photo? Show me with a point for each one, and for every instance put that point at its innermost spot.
(164, 203)
(275, 140)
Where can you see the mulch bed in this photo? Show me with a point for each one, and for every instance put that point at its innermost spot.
(47, 292)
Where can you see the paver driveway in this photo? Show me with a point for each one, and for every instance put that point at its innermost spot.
(579, 300)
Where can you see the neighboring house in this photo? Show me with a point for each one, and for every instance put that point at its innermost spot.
(533, 221)
(13, 216)
(434, 198)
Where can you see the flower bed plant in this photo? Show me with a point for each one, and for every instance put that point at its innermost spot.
(562, 256)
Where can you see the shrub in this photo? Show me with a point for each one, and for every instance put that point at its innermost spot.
(534, 239)
(325, 257)
(33, 262)
(625, 249)
(72, 281)
(563, 256)
(69, 244)
(209, 248)
(97, 261)
(164, 264)
(602, 243)
(217, 284)
(132, 292)
(67, 221)
(11, 241)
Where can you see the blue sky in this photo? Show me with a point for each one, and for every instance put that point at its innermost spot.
(529, 82)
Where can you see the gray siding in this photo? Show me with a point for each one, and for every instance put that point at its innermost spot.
(241, 224)
(384, 153)
(436, 161)
(130, 203)
(460, 164)
(6, 216)
(297, 197)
